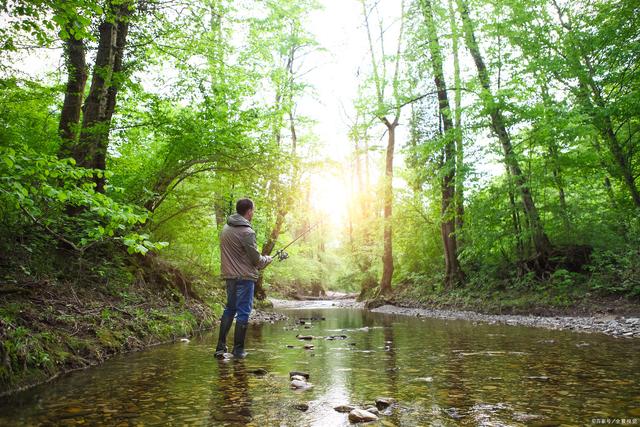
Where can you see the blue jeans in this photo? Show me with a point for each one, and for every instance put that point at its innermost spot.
(239, 299)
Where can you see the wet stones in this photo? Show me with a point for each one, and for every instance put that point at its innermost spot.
(361, 416)
(299, 373)
(344, 408)
(304, 337)
(336, 337)
(384, 402)
(308, 347)
(300, 385)
(299, 380)
(304, 407)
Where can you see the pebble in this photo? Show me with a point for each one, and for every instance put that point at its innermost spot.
(304, 407)
(344, 408)
(300, 385)
(300, 373)
(361, 416)
(304, 337)
(384, 402)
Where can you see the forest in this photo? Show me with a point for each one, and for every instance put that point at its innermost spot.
(486, 156)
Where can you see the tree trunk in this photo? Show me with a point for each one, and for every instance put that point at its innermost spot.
(75, 54)
(457, 82)
(453, 272)
(387, 257)
(541, 242)
(99, 106)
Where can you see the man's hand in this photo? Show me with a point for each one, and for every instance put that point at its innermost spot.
(269, 260)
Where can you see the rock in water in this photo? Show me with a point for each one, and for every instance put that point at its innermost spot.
(384, 402)
(361, 416)
(301, 407)
(302, 374)
(297, 377)
(184, 340)
(373, 410)
(304, 337)
(300, 385)
(308, 346)
(344, 408)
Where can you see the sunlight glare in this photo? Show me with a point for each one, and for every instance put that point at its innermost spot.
(329, 197)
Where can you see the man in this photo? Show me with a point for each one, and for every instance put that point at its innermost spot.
(240, 264)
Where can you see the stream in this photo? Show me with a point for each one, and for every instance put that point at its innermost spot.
(439, 372)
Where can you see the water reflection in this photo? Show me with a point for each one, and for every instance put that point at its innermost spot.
(233, 404)
(441, 372)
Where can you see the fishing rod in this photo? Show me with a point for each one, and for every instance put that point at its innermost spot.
(281, 254)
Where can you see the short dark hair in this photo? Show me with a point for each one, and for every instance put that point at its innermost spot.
(244, 205)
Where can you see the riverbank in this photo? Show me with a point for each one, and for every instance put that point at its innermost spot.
(50, 327)
(618, 326)
(615, 325)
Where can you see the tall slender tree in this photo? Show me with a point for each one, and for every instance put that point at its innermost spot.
(541, 242)
(453, 271)
(391, 123)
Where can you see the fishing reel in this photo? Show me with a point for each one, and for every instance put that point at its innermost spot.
(281, 255)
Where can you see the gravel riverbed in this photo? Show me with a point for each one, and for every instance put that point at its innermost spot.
(618, 326)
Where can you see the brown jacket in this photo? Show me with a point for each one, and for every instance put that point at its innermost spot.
(238, 250)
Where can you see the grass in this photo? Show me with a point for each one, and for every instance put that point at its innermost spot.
(49, 326)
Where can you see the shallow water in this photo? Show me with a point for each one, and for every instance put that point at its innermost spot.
(441, 372)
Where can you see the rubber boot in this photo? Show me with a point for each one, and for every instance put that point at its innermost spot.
(225, 325)
(238, 340)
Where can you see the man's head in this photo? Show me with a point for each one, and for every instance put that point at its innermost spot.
(245, 208)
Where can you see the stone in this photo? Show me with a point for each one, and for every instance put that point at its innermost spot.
(344, 408)
(185, 340)
(259, 371)
(301, 407)
(298, 377)
(384, 402)
(373, 410)
(361, 416)
(304, 337)
(308, 346)
(300, 385)
(302, 374)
